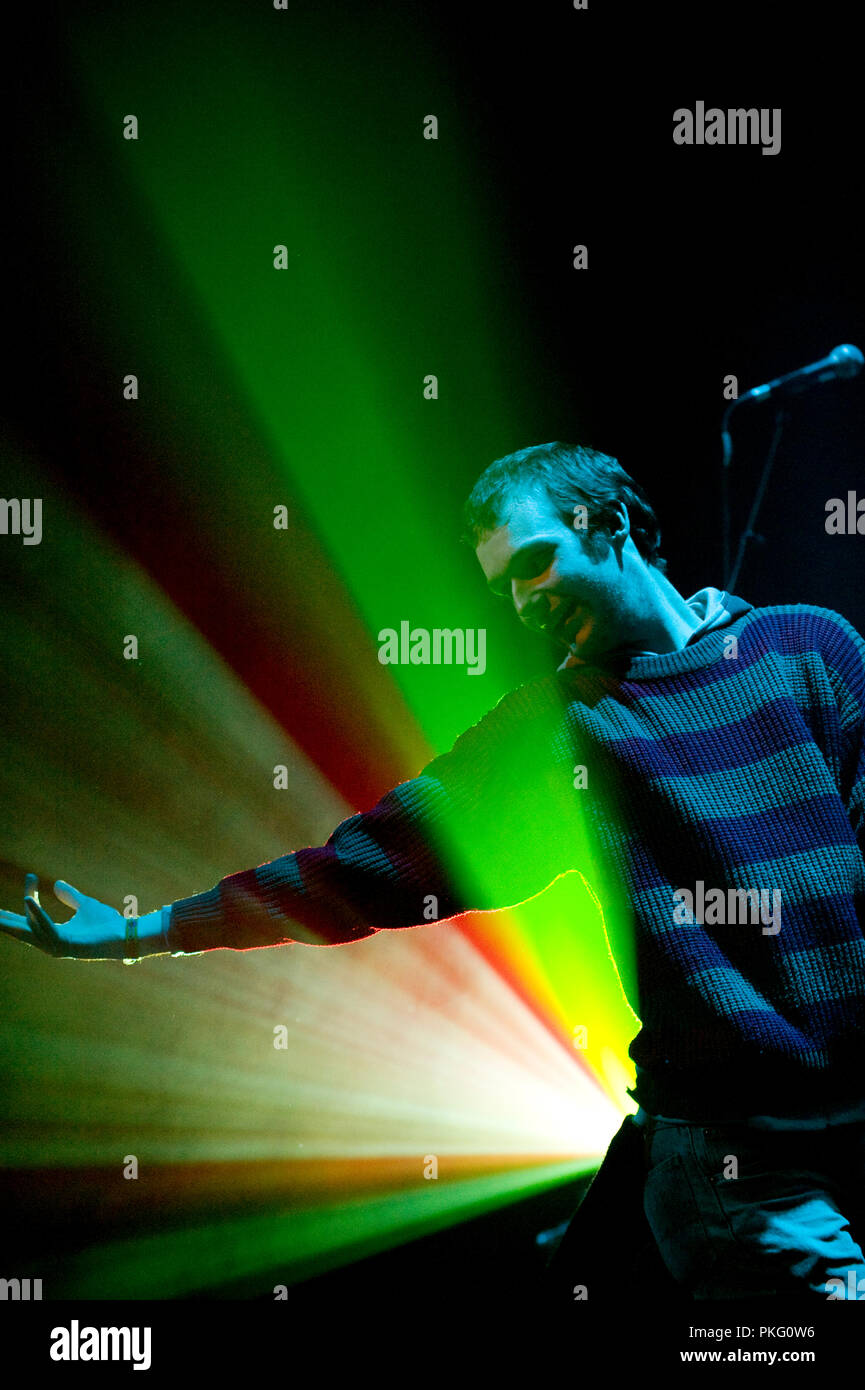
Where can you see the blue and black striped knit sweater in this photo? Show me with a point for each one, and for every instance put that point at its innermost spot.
(731, 764)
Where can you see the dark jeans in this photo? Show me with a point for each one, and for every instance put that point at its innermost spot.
(787, 1223)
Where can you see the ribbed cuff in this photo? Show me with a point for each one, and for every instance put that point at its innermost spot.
(201, 910)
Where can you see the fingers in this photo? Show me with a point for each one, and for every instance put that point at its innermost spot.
(13, 924)
(36, 927)
(42, 930)
(20, 928)
(67, 894)
(41, 927)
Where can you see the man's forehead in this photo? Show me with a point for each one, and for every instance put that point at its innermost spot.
(528, 515)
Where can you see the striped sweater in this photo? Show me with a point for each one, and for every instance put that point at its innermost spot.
(734, 763)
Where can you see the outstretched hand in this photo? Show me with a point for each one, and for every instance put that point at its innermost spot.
(95, 931)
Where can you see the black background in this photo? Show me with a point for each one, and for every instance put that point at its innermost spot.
(703, 262)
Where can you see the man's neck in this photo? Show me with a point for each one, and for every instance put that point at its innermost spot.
(668, 621)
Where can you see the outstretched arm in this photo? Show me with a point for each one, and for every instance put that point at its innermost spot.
(95, 932)
(480, 828)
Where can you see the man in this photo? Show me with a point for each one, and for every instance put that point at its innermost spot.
(724, 766)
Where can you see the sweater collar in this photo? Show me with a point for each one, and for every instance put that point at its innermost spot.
(715, 608)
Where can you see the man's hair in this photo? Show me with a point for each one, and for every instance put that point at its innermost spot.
(571, 475)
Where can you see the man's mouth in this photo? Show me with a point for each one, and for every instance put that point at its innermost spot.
(570, 617)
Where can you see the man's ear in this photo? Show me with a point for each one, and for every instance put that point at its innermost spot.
(619, 523)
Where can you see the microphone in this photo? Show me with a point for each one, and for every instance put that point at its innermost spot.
(842, 363)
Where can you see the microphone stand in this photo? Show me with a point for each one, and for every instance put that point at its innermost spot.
(748, 534)
(726, 459)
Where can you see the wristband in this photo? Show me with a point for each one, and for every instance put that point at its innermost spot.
(131, 941)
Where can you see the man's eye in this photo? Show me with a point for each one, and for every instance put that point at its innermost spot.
(535, 562)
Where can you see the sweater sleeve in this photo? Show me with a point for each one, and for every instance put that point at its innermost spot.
(845, 661)
(474, 831)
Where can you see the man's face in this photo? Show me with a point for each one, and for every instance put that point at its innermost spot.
(578, 592)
